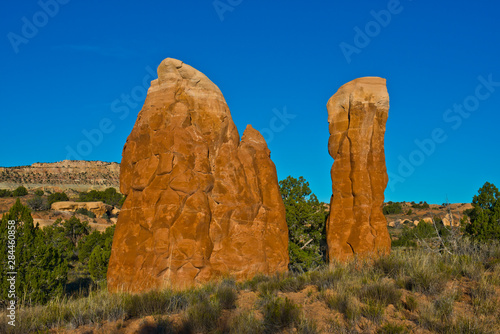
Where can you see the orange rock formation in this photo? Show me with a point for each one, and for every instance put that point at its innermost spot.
(200, 202)
(357, 114)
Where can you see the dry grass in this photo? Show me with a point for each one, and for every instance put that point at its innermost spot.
(408, 291)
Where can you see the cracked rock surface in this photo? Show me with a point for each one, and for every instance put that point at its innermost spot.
(201, 203)
(357, 115)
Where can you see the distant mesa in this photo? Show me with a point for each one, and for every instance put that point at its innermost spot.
(77, 175)
(357, 114)
(201, 203)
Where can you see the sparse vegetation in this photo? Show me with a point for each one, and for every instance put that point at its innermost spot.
(109, 196)
(85, 212)
(392, 208)
(421, 205)
(57, 197)
(38, 203)
(5, 193)
(361, 293)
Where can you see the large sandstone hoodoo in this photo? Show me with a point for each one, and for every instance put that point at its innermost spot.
(357, 114)
(200, 202)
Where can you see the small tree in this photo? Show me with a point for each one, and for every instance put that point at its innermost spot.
(305, 217)
(74, 229)
(485, 214)
(38, 203)
(20, 191)
(57, 197)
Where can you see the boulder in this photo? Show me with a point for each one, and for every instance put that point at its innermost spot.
(201, 203)
(98, 208)
(357, 115)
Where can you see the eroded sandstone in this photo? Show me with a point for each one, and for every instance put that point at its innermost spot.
(357, 115)
(201, 203)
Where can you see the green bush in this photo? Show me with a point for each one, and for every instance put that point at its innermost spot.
(5, 193)
(109, 196)
(20, 191)
(279, 314)
(392, 208)
(38, 203)
(421, 205)
(98, 263)
(57, 197)
(39, 192)
(85, 212)
(423, 230)
(246, 323)
(203, 316)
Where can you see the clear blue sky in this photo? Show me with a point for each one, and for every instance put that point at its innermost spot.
(67, 72)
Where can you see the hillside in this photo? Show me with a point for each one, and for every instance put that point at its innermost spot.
(62, 175)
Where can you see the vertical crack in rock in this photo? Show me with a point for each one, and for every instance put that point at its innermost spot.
(356, 224)
(190, 179)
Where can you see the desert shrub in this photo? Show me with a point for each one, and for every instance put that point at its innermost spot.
(423, 230)
(421, 205)
(392, 328)
(204, 315)
(246, 323)
(483, 297)
(39, 192)
(282, 282)
(326, 278)
(307, 326)
(345, 304)
(305, 217)
(443, 307)
(373, 311)
(38, 203)
(392, 208)
(57, 197)
(380, 292)
(411, 303)
(279, 314)
(109, 196)
(226, 295)
(390, 265)
(5, 193)
(425, 279)
(85, 212)
(20, 191)
(154, 303)
(254, 282)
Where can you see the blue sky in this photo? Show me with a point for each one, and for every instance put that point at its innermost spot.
(73, 67)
